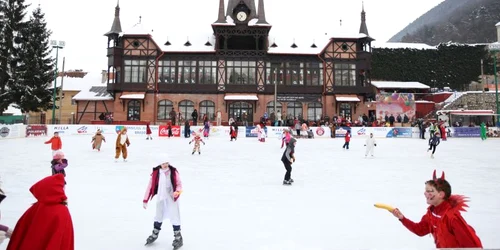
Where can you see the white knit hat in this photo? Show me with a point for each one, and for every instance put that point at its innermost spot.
(160, 158)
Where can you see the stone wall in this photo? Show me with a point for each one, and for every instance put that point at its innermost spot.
(475, 101)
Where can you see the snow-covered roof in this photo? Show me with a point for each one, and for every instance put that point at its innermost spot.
(204, 42)
(134, 96)
(398, 85)
(494, 46)
(424, 101)
(94, 93)
(12, 110)
(498, 24)
(78, 84)
(347, 98)
(241, 98)
(421, 46)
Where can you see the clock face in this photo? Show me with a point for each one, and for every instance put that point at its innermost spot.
(241, 16)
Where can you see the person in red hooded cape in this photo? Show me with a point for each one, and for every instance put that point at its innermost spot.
(47, 223)
(443, 219)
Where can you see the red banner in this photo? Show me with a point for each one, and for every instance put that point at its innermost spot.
(36, 130)
(163, 131)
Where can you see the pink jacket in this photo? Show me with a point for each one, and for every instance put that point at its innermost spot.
(152, 188)
(286, 139)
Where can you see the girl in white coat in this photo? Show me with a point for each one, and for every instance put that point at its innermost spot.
(370, 145)
(166, 184)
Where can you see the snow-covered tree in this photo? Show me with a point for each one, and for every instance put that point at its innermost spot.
(35, 69)
(12, 14)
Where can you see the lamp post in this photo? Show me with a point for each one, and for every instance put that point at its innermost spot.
(57, 45)
(275, 92)
(495, 48)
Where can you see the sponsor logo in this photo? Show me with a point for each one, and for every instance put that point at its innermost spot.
(163, 131)
(320, 131)
(59, 128)
(4, 132)
(82, 130)
(118, 129)
(362, 131)
(176, 131)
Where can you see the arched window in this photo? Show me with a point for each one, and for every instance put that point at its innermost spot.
(186, 108)
(294, 109)
(208, 108)
(314, 111)
(164, 108)
(134, 110)
(270, 107)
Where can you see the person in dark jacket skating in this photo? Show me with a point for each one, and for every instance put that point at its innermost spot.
(433, 143)
(288, 158)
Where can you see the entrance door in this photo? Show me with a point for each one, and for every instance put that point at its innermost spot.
(345, 110)
(238, 109)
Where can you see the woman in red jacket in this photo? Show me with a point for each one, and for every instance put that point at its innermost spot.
(443, 219)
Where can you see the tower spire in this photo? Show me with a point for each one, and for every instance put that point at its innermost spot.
(262, 13)
(221, 18)
(116, 27)
(363, 28)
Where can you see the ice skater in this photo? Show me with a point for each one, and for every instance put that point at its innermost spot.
(97, 140)
(443, 219)
(288, 158)
(148, 132)
(56, 143)
(287, 135)
(197, 140)
(58, 164)
(370, 145)
(347, 139)
(233, 131)
(433, 143)
(166, 184)
(5, 231)
(122, 143)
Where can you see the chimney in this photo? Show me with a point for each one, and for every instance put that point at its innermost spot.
(498, 32)
(104, 76)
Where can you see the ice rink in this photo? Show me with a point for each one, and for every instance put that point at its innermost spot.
(234, 198)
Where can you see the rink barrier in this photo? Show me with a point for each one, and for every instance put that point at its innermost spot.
(21, 131)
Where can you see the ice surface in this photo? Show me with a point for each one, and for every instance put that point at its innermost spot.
(234, 199)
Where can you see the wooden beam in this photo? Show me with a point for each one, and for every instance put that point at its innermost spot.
(83, 113)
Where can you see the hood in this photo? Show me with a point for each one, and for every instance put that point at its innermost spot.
(50, 190)
(291, 142)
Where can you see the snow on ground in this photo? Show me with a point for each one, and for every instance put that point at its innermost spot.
(234, 199)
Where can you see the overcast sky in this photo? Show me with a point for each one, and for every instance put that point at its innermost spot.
(81, 24)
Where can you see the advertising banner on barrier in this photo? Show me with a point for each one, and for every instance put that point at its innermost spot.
(341, 131)
(321, 132)
(466, 132)
(252, 131)
(163, 131)
(12, 131)
(36, 130)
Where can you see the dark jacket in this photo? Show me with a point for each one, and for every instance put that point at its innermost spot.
(289, 152)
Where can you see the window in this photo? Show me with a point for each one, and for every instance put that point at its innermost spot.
(134, 110)
(135, 71)
(241, 112)
(207, 72)
(164, 108)
(186, 108)
(207, 107)
(271, 73)
(345, 110)
(294, 109)
(314, 73)
(166, 71)
(73, 102)
(187, 72)
(345, 74)
(270, 107)
(295, 73)
(241, 72)
(314, 111)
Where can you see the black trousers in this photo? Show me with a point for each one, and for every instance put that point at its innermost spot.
(433, 147)
(346, 145)
(288, 168)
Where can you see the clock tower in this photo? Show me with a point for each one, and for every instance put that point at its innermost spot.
(241, 30)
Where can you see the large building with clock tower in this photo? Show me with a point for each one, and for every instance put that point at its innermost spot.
(237, 70)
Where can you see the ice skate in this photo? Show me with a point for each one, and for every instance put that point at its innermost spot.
(285, 182)
(124, 160)
(178, 241)
(291, 180)
(147, 138)
(152, 238)
(199, 153)
(192, 153)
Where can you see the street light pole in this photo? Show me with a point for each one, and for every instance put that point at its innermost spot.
(57, 45)
(61, 93)
(496, 82)
(275, 92)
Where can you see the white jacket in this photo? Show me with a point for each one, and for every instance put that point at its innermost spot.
(370, 142)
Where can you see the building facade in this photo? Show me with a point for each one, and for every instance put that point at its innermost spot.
(238, 71)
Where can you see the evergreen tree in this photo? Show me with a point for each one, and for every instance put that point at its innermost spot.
(13, 12)
(35, 69)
